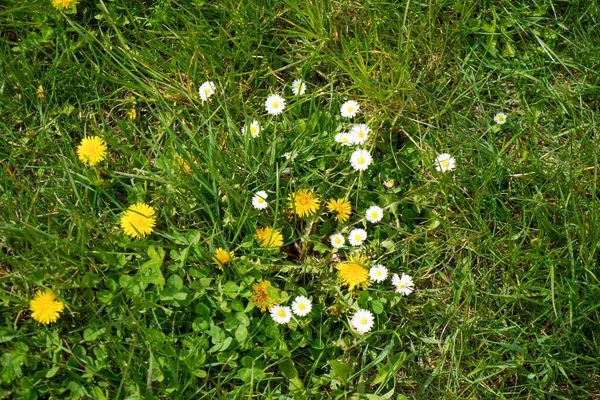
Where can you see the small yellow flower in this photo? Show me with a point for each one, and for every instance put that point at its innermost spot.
(62, 4)
(138, 220)
(132, 114)
(222, 257)
(269, 237)
(45, 308)
(183, 166)
(340, 206)
(260, 296)
(92, 150)
(353, 272)
(40, 92)
(304, 203)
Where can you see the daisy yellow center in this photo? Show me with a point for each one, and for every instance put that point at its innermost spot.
(374, 214)
(338, 240)
(350, 109)
(252, 129)
(500, 118)
(363, 321)
(302, 306)
(445, 163)
(361, 160)
(345, 139)
(207, 90)
(281, 313)
(378, 273)
(260, 200)
(361, 134)
(401, 285)
(358, 238)
(275, 104)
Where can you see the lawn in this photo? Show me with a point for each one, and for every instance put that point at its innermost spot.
(279, 199)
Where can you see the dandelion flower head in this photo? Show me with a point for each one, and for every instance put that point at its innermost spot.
(353, 273)
(357, 236)
(260, 296)
(360, 160)
(269, 237)
(404, 284)
(183, 167)
(359, 133)
(349, 109)
(222, 257)
(132, 114)
(374, 214)
(45, 308)
(92, 150)
(445, 162)
(298, 87)
(500, 118)
(274, 104)
(304, 203)
(138, 220)
(280, 314)
(301, 306)
(362, 321)
(378, 273)
(341, 207)
(62, 4)
(337, 240)
(206, 90)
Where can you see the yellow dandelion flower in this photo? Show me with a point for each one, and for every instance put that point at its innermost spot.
(62, 4)
(340, 206)
(92, 150)
(222, 257)
(45, 308)
(138, 220)
(269, 237)
(353, 272)
(304, 203)
(183, 166)
(260, 296)
(132, 114)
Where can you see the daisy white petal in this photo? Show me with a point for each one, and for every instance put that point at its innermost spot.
(362, 321)
(360, 160)
(378, 273)
(301, 306)
(500, 118)
(374, 214)
(344, 138)
(404, 284)
(274, 104)
(259, 201)
(337, 240)
(349, 109)
(298, 87)
(206, 90)
(445, 162)
(281, 315)
(356, 237)
(359, 133)
(253, 129)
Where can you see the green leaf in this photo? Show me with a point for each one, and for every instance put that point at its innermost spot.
(291, 373)
(340, 370)
(241, 333)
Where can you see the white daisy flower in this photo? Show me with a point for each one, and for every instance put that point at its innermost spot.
(281, 315)
(290, 156)
(301, 306)
(337, 240)
(349, 109)
(206, 90)
(374, 214)
(500, 118)
(359, 133)
(378, 273)
(254, 129)
(298, 87)
(362, 321)
(274, 104)
(360, 160)
(389, 183)
(356, 237)
(445, 162)
(404, 285)
(344, 138)
(259, 201)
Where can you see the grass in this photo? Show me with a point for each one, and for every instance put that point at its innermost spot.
(503, 250)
